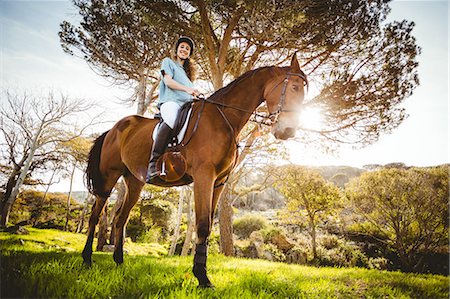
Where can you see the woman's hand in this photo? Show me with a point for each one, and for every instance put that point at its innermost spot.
(171, 83)
(192, 91)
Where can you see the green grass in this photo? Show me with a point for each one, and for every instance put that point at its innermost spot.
(47, 264)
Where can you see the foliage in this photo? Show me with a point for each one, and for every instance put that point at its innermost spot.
(271, 231)
(32, 208)
(77, 148)
(156, 193)
(362, 65)
(116, 41)
(151, 235)
(408, 208)
(275, 253)
(309, 197)
(247, 224)
(153, 219)
(344, 255)
(151, 222)
(33, 128)
(45, 266)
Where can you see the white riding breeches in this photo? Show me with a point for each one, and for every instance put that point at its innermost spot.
(169, 112)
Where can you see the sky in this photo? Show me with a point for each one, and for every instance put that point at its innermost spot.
(31, 58)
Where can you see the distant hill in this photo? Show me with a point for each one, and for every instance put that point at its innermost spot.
(339, 175)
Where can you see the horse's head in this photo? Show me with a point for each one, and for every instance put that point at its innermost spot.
(284, 96)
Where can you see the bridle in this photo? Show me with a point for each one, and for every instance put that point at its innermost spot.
(271, 118)
(274, 115)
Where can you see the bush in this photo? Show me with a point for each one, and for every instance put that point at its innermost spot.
(329, 241)
(245, 225)
(271, 231)
(298, 255)
(162, 214)
(272, 253)
(345, 255)
(379, 263)
(49, 213)
(151, 235)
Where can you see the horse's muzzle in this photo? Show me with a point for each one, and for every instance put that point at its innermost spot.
(284, 133)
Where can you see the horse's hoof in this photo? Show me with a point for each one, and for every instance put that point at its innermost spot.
(118, 258)
(87, 260)
(200, 273)
(207, 286)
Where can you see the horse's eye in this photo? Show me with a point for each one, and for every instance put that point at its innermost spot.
(295, 87)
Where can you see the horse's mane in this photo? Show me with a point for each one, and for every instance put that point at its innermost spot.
(224, 90)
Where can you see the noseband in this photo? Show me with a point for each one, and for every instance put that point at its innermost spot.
(274, 115)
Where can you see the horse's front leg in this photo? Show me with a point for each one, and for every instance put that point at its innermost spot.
(204, 209)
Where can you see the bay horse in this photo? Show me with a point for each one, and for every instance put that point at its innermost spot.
(210, 154)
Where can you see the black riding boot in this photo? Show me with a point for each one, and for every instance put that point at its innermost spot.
(159, 146)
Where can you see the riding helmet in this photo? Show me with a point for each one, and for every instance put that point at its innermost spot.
(187, 40)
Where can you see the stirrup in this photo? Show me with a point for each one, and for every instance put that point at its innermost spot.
(151, 176)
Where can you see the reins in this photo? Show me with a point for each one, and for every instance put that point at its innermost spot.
(268, 119)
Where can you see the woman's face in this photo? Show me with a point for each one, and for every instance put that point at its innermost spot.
(183, 50)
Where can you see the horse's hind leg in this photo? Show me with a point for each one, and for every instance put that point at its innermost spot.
(97, 209)
(134, 187)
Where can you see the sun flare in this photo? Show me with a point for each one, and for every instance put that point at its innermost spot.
(311, 118)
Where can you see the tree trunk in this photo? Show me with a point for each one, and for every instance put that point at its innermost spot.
(141, 95)
(103, 228)
(48, 185)
(313, 238)
(66, 226)
(191, 225)
(121, 193)
(176, 233)
(226, 223)
(10, 184)
(23, 172)
(84, 212)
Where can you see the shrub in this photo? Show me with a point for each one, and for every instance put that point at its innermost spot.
(379, 263)
(345, 255)
(271, 231)
(49, 213)
(135, 227)
(162, 214)
(151, 235)
(272, 253)
(298, 255)
(329, 241)
(245, 225)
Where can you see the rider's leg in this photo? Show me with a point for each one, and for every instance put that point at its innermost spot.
(169, 112)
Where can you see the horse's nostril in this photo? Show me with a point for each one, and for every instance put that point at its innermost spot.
(290, 132)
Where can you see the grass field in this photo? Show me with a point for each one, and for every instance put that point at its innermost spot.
(48, 264)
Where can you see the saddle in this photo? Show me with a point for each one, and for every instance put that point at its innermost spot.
(172, 165)
(180, 126)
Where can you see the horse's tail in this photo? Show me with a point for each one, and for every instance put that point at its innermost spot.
(93, 177)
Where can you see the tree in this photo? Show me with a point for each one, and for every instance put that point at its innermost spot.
(362, 67)
(265, 151)
(115, 40)
(32, 126)
(77, 150)
(406, 208)
(309, 197)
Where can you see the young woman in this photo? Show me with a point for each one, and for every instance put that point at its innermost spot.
(175, 89)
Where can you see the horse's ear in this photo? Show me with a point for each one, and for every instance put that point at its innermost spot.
(295, 66)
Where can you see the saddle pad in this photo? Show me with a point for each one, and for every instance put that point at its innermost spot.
(181, 133)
